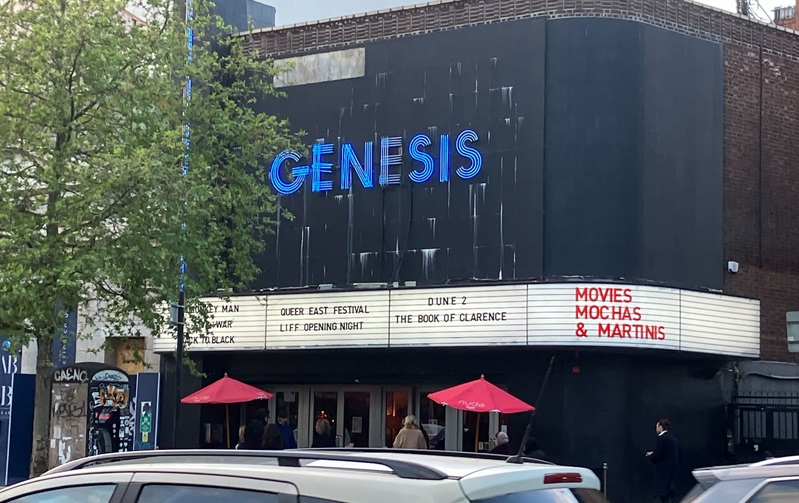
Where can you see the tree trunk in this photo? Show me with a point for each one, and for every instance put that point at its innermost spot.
(41, 407)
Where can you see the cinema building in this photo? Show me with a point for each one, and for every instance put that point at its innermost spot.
(493, 183)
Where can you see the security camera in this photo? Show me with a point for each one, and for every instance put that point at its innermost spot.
(732, 266)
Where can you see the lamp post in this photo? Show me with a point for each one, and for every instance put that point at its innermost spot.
(181, 306)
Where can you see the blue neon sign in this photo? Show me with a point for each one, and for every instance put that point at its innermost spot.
(391, 155)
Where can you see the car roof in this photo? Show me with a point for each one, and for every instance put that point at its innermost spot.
(336, 470)
(775, 467)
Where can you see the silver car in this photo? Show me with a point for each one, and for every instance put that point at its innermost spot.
(306, 476)
(771, 481)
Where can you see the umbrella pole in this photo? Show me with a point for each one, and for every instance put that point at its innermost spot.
(227, 423)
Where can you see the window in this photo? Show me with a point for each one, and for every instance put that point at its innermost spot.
(78, 494)
(550, 496)
(784, 491)
(199, 494)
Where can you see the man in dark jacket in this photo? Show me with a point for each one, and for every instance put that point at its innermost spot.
(254, 431)
(286, 431)
(666, 457)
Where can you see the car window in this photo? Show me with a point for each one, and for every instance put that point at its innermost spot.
(783, 491)
(549, 496)
(728, 490)
(77, 494)
(163, 493)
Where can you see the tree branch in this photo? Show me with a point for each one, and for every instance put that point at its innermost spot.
(22, 91)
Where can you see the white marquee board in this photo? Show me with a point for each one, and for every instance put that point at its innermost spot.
(545, 314)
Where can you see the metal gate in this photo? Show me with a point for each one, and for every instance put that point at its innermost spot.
(765, 424)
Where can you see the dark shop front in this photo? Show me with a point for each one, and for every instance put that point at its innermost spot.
(479, 200)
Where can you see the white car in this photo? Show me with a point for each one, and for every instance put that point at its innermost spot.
(774, 480)
(306, 476)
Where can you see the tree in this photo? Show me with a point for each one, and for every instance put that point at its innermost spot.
(95, 209)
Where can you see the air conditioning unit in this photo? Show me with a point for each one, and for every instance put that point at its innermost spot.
(792, 322)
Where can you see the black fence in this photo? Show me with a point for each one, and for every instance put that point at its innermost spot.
(765, 424)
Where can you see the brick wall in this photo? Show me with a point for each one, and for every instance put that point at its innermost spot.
(761, 186)
(761, 120)
(678, 15)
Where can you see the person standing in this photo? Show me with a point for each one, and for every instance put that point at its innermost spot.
(322, 435)
(273, 440)
(410, 436)
(503, 446)
(254, 431)
(665, 457)
(286, 431)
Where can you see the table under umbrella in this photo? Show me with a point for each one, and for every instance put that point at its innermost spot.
(227, 390)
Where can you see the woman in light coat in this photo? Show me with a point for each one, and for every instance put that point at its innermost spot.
(410, 436)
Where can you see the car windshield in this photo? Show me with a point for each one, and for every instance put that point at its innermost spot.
(549, 496)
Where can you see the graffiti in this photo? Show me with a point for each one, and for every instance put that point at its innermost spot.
(91, 416)
(68, 426)
(70, 374)
(110, 395)
(67, 405)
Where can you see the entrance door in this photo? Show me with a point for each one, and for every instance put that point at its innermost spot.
(350, 413)
(433, 418)
(397, 406)
(294, 403)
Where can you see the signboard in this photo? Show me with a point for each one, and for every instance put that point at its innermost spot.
(449, 157)
(65, 342)
(604, 315)
(324, 320)
(546, 314)
(238, 323)
(713, 323)
(147, 396)
(473, 316)
(9, 368)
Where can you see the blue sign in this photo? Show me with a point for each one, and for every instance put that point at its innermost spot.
(66, 336)
(391, 154)
(148, 386)
(9, 365)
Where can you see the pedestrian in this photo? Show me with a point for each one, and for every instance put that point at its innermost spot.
(410, 437)
(322, 435)
(254, 431)
(503, 445)
(286, 431)
(241, 443)
(665, 457)
(273, 440)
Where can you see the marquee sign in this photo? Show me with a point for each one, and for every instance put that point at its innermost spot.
(549, 314)
(391, 154)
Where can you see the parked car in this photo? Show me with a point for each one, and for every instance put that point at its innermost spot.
(306, 476)
(771, 481)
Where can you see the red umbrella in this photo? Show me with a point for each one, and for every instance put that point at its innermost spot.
(227, 391)
(480, 396)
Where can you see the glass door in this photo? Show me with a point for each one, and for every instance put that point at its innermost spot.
(353, 414)
(325, 428)
(397, 405)
(433, 418)
(355, 422)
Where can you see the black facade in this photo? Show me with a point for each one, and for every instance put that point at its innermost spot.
(601, 142)
(602, 157)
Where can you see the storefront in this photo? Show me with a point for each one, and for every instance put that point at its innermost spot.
(365, 359)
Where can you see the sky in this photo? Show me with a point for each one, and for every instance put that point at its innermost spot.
(299, 11)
